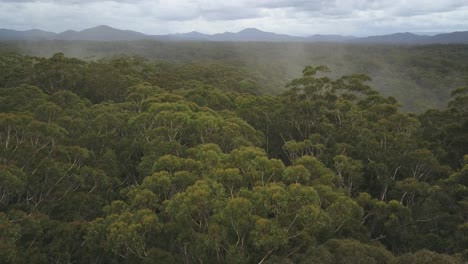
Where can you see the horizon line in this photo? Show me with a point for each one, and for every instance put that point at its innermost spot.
(419, 33)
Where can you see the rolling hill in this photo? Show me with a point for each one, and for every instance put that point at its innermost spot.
(106, 33)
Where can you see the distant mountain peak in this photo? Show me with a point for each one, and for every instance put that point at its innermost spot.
(188, 33)
(102, 33)
(251, 30)
(102, 27)
(108, 33)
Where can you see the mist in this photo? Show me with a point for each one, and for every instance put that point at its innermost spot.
(395, 69)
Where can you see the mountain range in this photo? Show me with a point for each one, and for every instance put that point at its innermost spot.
(106, 33)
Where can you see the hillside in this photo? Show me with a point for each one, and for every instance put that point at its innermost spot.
(420, 77)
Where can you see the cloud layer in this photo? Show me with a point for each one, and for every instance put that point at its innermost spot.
(294, 17)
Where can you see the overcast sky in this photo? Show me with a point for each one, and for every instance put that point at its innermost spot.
(293, 17)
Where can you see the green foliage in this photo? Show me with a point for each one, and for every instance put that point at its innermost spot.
(130, 161)
(425, 256)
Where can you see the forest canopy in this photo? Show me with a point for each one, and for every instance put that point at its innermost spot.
(127, 160)
(420, 77)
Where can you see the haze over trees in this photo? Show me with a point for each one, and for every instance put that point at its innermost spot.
(127, 160)
(420, 77)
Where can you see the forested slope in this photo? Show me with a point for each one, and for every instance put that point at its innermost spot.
(124, 160)
(419, 76)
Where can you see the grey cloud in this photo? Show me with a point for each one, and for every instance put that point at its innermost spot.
(68, 1)
(424, 8)
(284, 16)
(320, 5)
(343, 7)
(233, 15)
